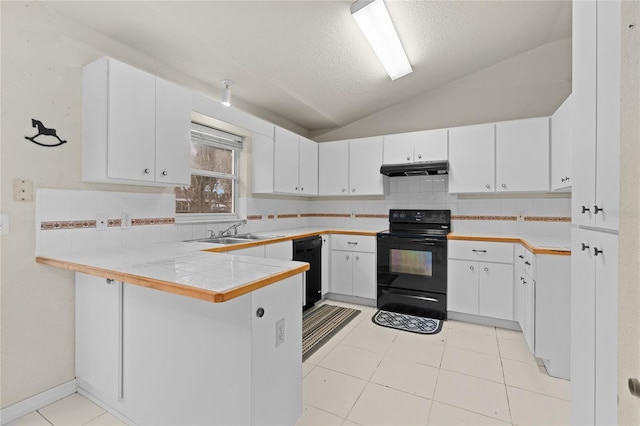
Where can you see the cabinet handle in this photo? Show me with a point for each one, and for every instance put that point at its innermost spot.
(302, 188)
(353, 190)
(584, 246)
(343, 189)
(260, 312)
(296, 188)
(486, 269)
(478, 251)
(471, 267)
(408, 158)
(527, 263)
(147, 171)
(503, 185)
(521, 256)
(419, 156)
(523, 282)
(634, 386)
(357, 257)
(596, 251)
(347, 257)
(597, 209)
(164, 173)
(585, 209)
(352, 243)
(109, 281)
(487, 186)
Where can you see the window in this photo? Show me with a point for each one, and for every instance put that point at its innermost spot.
(214, 173)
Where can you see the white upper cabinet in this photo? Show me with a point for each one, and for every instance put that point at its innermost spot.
(522, 155)
(472, 158)
(308, 175)
(365, 159)
(333, 160)
(561, 142)
(596, 118)
(262, 152)
(285, 166)
(135, 127)
(295, 164)
(429, 145)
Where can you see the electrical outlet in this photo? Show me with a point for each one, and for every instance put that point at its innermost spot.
(265, 215)
(102, 222)
(125, 222)
(520, 217)
(280, 332)
(353, 214)
(275, 215)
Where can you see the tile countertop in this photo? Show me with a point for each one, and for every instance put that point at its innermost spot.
(537, 245)
(193, 269)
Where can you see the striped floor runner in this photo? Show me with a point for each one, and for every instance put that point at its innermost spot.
(319, 324)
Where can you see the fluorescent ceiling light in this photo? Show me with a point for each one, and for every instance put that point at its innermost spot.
(374, 21)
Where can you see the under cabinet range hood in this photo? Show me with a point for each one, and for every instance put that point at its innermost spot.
(416, 169)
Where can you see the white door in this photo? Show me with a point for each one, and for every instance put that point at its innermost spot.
(608, 116)
(173, 134)
(364, 275)
(584, 111)
(365, 159)
(333, 168)
(262, 151)
(431, 145)
(495, 290)
(132, 123)
(308, 167)
(285, 164)
(398, 148)
(462, 283)
(472, 159)
(341, 272)
(522, 155)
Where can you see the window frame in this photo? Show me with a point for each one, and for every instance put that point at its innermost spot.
(235, 178)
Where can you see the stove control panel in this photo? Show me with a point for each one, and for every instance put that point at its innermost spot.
(420, 216)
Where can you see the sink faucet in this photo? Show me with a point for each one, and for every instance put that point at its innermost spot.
(233, 228)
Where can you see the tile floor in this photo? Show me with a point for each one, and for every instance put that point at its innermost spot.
(369, 375)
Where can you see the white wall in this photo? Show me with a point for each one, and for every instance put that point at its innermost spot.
(531, 84)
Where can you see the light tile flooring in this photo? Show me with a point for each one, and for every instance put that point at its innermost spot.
(369, 375)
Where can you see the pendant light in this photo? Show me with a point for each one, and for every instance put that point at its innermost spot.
(226, 92)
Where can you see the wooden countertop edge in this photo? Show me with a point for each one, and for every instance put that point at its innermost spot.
(529, 246)
(171, 287)
(239, 246)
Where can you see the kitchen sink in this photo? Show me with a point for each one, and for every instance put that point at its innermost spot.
(236, 239)
(256, 237)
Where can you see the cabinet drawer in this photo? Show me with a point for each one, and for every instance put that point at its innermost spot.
(481, 251)
(353, 243)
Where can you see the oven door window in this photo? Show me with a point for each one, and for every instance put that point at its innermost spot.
(411, 262)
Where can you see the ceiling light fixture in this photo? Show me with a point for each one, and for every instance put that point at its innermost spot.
(226, 92)
(373, 18)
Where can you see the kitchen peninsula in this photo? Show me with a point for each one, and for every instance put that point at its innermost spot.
(169, 334)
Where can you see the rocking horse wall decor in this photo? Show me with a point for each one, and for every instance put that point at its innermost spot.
(44, 131)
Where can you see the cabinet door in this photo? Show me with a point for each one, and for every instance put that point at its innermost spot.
(132, 123)
(522, 155)
(333, 168)
(285, 164)
(341, 272)
(308, 167)
(584, 114)
(398, 148)
(518, 285)
(431, 145)
(99, 335)
(472, 159)
(364, 275)
(282, 251)
(608, 116)
(326, 265)
(495, 290)
(262, 151)
(462, 284)
(561, 142)
(173, 134)
(365, 159)
(583, 323)
(529, 313)
(276, 362)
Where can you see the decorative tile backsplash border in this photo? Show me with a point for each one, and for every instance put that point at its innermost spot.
(386, 216)
(111, 223)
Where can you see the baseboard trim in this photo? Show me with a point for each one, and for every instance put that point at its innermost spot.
(36, 402)
(351, 299)
(477, 319)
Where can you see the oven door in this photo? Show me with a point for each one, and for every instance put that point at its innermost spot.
(412, 263)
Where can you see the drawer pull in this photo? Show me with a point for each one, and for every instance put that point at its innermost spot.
(584, 246)
(352, 243)
(596, 251)
(521, 256)
(478, 251)
(486, 269)
(471, 267)
(527, 263)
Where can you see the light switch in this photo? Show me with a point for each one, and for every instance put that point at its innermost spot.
(22, 190)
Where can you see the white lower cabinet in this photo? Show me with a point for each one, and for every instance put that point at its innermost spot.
(326, 264)
(160, 358)
(281, 251)
(480, 279)
(353, 266)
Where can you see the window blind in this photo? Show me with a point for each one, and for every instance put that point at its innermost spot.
(209, 135)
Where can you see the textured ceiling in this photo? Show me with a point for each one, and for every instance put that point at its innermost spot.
(307, 61)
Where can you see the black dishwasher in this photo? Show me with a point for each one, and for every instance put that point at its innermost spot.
(310, 250)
